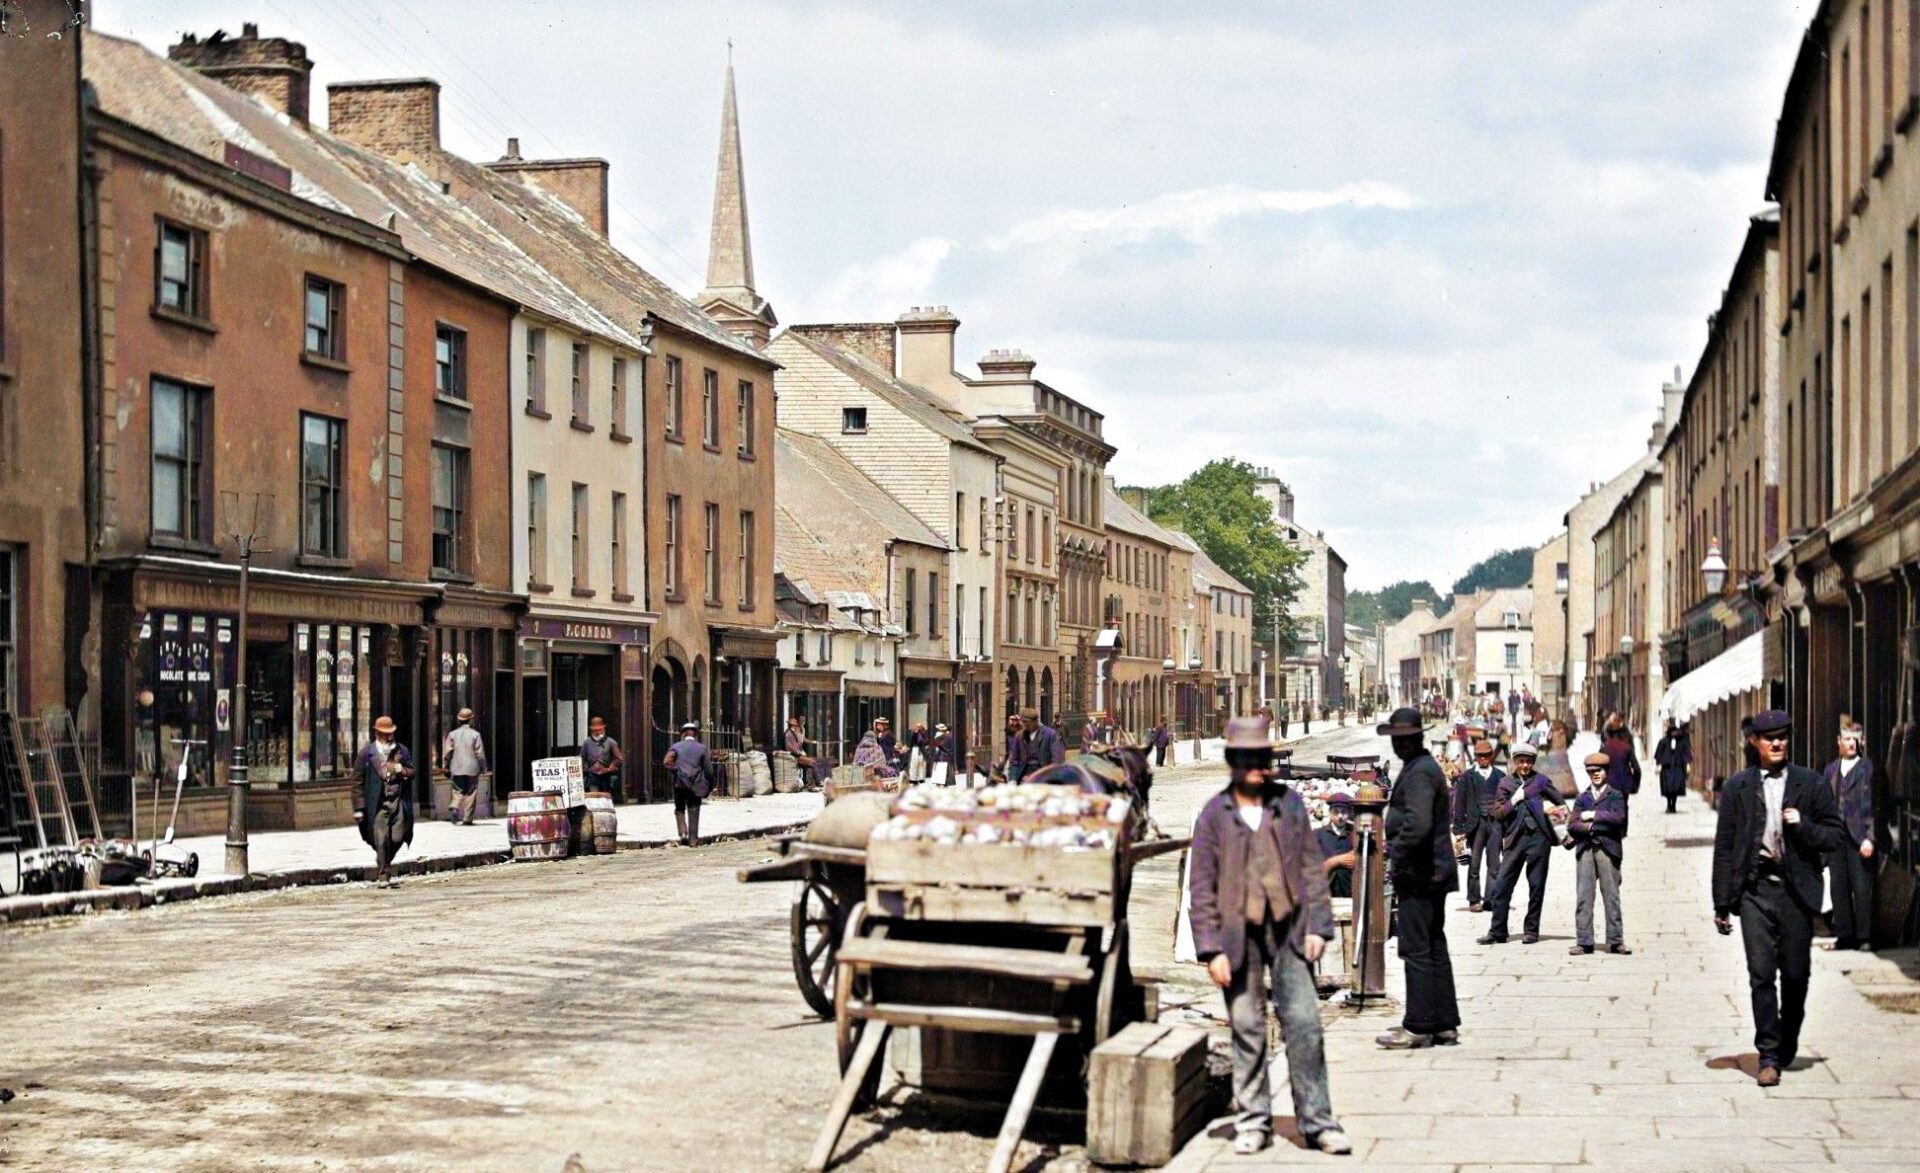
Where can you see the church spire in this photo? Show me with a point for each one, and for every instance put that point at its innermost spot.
(730, 296)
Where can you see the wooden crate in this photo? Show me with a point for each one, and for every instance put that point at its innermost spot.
(1146, 1094)
(916, 879)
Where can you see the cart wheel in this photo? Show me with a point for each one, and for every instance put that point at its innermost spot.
(1114, 974)
(817, 920)
(193, 864)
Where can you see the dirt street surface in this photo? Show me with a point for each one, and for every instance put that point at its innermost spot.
(639, 1010)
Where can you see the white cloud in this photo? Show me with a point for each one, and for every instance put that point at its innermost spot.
(882, 286)
(1191, 215)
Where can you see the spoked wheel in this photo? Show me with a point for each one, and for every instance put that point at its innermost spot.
(817, 920)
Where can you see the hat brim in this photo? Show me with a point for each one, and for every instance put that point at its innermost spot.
(1399, 730)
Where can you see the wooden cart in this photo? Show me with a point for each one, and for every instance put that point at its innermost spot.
(997, 939)
(832, 882)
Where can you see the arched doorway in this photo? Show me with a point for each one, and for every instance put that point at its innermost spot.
(1013, 691)
(669, 709)
(1046, 696)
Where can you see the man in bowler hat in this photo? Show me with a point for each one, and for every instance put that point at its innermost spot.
(1420, 852)
(385, 806)
(1777, 822)
(1261, 919)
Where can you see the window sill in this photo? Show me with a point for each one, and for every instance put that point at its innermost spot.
(749, 457)
(539, 413)
(325, 363)
(853, 431)
(621, 597)
(452, 401)
(179, 545)
(324, 562)
(674, 597)
(167, 313)
(746, 608)
(714, 602)
(441, 574)
(539, 588)
(583, 592)
(713, 448)
(619, 437)
(580, 425)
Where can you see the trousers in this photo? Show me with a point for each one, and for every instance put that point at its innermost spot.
(1596, 869)
(1431, 1004)
(1532, 855)
(384, 826)
(466, 794)
(1850, 879)
(1297, 1004)
(1483, 843)
(1778, 935)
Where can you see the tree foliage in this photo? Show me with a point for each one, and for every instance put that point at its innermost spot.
(1390, 603)
(1504, 568)
(1219, 507)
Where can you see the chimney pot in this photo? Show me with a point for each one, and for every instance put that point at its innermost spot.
(513, 148)
(274, 70)
(249, 30)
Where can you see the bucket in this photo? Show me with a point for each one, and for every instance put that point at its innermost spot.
(605, 823)
(537, 824)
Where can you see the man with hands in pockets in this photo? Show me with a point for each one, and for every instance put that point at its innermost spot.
(1261, 919)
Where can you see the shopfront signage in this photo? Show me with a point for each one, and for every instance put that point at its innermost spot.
(561, 776)
(584, 631)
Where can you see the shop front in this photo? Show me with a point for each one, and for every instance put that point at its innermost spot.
(744, 663)
(470, 666)
(813, 695)
(324, 658)
(867, 702)
(926, 693)
(572, 670)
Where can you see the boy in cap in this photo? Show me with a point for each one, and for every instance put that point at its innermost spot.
(1596, 833)
(1777, 821)
(1261, 919)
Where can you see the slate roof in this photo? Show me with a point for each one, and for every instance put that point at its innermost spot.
(1127, 519)
(1489, 613)
(197, 113)
(1206, 567)
(916, 402)
(813, 476)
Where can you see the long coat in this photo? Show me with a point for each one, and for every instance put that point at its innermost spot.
(1419, 849)
(372, 785)
(1743, 820)
(1221, 841)
(1675, 754)
(1856, 798)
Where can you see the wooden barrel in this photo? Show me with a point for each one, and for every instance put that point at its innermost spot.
(537, 824)
(605, 823)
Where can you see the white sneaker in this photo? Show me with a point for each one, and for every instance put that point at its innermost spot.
(1246, 1144)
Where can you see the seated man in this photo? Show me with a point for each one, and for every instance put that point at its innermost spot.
(1336, 843)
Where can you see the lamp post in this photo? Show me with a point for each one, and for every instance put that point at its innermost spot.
(248, 536)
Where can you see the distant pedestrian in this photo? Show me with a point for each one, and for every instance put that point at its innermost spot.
(1099, 731)
(1043, 744)
(692, 766)
(385, 802)
(1623, 770)
(940, 751)
(464, 755)
(800, 748)
(1673, 754)
(1473, 821)
(883, 737)
(1285, 712)
(601, 758)
(1162, 739)
(1777, 821)
(1261, 919)
(1513, 707)
(1597, 832)
(1850, 865)
(1420, 852)
(1337, 846)
(1013, 756)
(1521, 805)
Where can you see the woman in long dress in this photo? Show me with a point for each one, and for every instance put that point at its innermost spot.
(1674, 754)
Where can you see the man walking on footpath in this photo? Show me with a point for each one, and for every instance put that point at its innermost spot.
(1623, 765)
(1473, 793)
(386, 797)
(1673, 754)
(1850, 866)
(1521, 806)
(1596, 833)
(1162, 738)
(1777, 822)
(1420, 852)
(1261, 918)
(692, 766)
(465, 757)
(601, 758)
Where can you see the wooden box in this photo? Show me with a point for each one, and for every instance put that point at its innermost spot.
(1146, 1094)
(920, 880)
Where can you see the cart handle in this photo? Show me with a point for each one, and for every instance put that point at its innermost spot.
(1167, 846)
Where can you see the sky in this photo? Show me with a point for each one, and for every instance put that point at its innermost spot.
(1430, 263)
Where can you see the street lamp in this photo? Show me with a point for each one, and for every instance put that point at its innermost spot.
(248, 534)
(1714, 567)
(1626, 645)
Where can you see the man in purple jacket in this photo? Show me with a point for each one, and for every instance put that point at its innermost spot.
(1595, 833)
(1261, 919)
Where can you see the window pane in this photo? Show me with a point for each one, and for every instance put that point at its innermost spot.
(167, 485)
(169, 430)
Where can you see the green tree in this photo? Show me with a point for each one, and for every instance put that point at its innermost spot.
(1504, 568)
(1390, 603)
(1219, 507)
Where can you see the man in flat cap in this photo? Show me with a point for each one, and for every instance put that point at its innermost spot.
(1420, 852)
(1473, 821)
(1261, 919)
(1596, 833)
(1521, 805)
(1777, 822)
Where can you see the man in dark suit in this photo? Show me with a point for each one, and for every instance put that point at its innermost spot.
(1777, 822)
(1261, 919)
(1521, 804)
(1850, 866)
(1473, 821)
(1596, 831)
(1420, 852)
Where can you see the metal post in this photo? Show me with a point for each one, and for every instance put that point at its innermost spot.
(237, 725)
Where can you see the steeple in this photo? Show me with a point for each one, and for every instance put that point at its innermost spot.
(729, 297)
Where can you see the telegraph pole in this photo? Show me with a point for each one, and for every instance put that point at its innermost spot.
(248, 536)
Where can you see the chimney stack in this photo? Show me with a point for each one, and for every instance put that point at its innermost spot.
(395, 117)
(1006, 366)
(581, 184)
(274, 70)
(926, 346)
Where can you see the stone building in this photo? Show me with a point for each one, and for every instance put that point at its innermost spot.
(1630, 582)
(48, 644)
(1312, 672)
(1499, 660)
(1140, 596)
(1549, 584)
(1225, 647)
(1400, 653)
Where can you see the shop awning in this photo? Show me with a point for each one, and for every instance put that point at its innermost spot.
(1732, 672)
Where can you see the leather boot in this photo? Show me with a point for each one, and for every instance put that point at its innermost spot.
(693, 827)
(680, 823)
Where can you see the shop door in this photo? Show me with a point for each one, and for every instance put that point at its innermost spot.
(571, 702)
